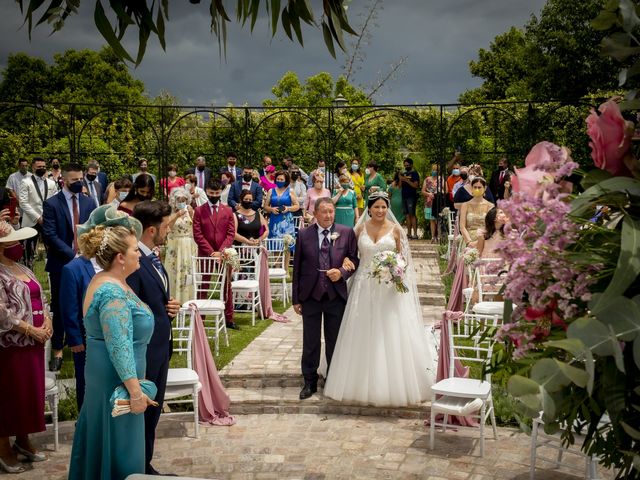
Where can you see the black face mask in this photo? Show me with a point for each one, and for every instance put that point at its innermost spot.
(75, 187)
(56, 166)
(141, 197)
(501, 167)
(247, 177)
(91, 177)
(213, 198)
(246, 204)
(41, 171)
(201, 168)
(464, 175)
(295, 176)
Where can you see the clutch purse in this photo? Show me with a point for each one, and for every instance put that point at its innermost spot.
(120, 400)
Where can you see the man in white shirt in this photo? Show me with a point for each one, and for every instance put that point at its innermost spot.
(33, 191)
(15, 179)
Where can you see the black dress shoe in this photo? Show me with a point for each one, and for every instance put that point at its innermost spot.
(308, 390)
(152, 471)
(55, 364)
(233, 326)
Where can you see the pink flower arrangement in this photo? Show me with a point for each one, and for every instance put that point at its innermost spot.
(610, 137)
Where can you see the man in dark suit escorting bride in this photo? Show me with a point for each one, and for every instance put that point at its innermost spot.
(320, 286)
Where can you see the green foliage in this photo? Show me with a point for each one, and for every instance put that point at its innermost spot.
(150, 20)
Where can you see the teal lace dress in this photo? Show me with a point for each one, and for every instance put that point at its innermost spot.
(119, 327)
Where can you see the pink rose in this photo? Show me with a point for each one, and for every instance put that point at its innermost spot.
(530, 180)
(610, 138)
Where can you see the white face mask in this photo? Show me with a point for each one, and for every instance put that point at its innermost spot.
(172, 173)
(367, 171)
(122, 195)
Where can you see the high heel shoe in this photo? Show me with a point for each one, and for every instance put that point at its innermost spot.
(19, 468)
(31, 457)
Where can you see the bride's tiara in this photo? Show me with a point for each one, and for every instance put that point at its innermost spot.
(379, 194)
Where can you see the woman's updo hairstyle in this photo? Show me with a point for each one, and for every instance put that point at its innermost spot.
(375, 196)
(104, 243)
(479, 180)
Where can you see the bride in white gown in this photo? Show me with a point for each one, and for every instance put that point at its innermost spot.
(383, 355)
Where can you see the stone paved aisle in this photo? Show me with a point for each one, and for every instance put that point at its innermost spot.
(306, 446)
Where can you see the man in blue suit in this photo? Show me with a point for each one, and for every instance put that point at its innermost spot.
(232, 158)
(245, 183)
(60, 215)
(76, 276)
(151, 284)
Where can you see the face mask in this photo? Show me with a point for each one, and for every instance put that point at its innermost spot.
(295, 176)
(367, 171)
(501, 167)
(407, 168)
(213, 198)
(477, 193)
(41, 171)
(15, 252)
(345, 185)
(246, 204)
(224, 181)
(75, 187)
(434, 174)
(172, 173)
(141, 197)
(201, 168)
(247, 177)
(455, 172)
(464, 175)
(355, 167)
(318, 185)
(181, 205)
(122, 195)
(143, 168)
(56, 166)
(91, 177)
(281, 184)
(322, 169)
(232, 163)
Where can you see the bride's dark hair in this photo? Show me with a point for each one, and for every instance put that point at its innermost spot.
(375, 196)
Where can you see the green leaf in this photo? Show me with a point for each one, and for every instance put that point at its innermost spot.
(255, 7)
(105, 29)
(286, 23)
(604, 21)
(614, 48)
(592, 194)
(612, 5)
(597, 337)
(629, 16)
(275, 14)
(621, 313)
(295, 23)
(594, 177)
(553, 374)
(160, 27)
(628, 266)
(336, 28)
(636, 351)
(508, 310)
(328, 39)
(527, 392)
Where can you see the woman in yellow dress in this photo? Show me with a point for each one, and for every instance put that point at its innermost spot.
(358, 183)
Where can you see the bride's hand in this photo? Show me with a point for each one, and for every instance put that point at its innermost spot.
(348, 265)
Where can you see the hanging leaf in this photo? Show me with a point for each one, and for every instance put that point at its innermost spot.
(629, 16)
(597, 337)
(104, 27)
(605, 20)
(328, 39)
(275, 14)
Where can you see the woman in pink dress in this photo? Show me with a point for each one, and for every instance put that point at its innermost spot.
(268, 180)
(492, 234)
(25, 326)
(172, 181)
(313, 194)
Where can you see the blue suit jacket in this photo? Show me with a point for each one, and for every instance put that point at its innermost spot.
(236, 190)
(57, 229)
(148, 286)
(104, 183)
(76, 276)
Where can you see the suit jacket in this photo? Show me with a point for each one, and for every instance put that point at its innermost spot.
(98, 187)
(496, 186)
(237, 171)
(32, 198)
(207, 176)
(148, 286)
(236, 190)
(76, 276)
(58, 229)
(213, 232)
(104, 182)
(306, 261)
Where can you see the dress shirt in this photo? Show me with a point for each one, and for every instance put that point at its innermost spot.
(15, 179)
(146, 251)
(93, 193)
(246, 185)
(321, 235)
(213, 207)
(67, 195)
(96, 268)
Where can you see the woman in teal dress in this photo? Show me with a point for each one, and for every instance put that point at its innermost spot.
(281, 202)
(373, 181)
(395, 192)
(346, 202)
(118, 328)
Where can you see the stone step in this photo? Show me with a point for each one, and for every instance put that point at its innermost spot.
(279, 400)
(431, 299)
(252, 381)
(424, 254)
(430, 288)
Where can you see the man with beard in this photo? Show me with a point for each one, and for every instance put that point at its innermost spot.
(151, 284)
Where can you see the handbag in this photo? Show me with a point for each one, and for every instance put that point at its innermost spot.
(120, 400)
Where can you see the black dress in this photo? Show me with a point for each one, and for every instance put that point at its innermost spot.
(248, 227)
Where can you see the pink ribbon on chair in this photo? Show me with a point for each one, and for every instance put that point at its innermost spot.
(213, 401)
(265, 290)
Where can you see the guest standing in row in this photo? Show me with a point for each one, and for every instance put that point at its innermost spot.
(144, 187)
(313, 194)
(395, 197)
(373, 181)
(25, 326)
(180, 245)
(280, 203)
(198, 195)
(357, 179)
(172, 181)
(251, 225)
(344, 198)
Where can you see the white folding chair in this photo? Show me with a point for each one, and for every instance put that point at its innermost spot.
(470, 340)
(183, 384)
(245, 285)
(488, 286)
(277, 264)
(451, 235)
(51, 395)
(208, 276)
(541, 439)
(299, 222)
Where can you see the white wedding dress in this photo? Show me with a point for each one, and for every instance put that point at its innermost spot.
(384, 355)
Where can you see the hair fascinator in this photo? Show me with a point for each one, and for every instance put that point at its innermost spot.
(108, 216)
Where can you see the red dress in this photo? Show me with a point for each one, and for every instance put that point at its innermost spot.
(22, 380)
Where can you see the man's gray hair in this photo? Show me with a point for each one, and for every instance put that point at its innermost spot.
(93, 164)
(322, 200)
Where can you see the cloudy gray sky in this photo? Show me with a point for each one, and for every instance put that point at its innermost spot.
(438, 37)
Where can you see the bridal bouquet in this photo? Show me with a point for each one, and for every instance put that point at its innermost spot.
(389, 267)
(230, 258)
(471, 255)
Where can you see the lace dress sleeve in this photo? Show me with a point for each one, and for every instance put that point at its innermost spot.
(117, 327)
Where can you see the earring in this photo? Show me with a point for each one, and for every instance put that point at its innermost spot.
(123, 267)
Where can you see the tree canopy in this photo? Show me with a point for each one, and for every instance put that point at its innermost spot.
(150, 19)
(554, 57)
